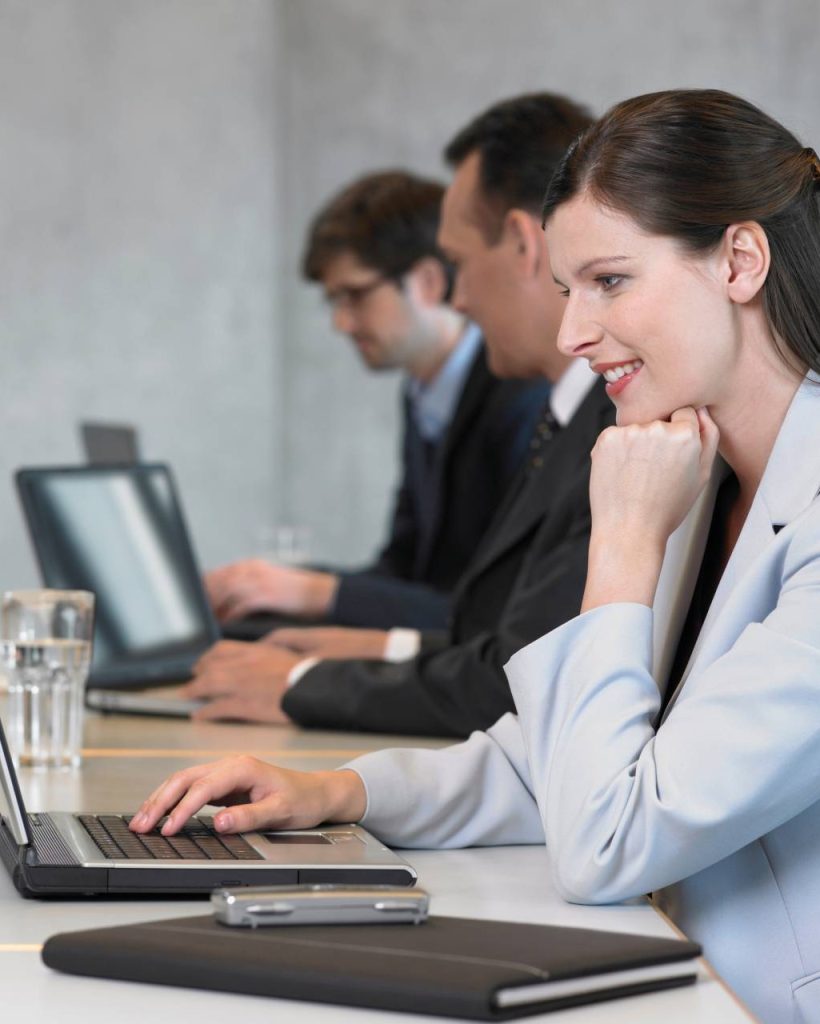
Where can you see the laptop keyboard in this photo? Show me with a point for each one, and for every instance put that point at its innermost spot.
(197, 840)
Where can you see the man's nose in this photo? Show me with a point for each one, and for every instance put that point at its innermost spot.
(343, 318)
(458, 298)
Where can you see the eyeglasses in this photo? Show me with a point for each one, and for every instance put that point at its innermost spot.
(353, 296)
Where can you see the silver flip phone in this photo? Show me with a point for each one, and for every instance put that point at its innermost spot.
(255, 906)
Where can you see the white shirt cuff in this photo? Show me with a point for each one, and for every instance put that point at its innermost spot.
(401, 644)
(301, 668)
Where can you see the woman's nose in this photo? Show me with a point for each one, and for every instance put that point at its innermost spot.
(578, 332)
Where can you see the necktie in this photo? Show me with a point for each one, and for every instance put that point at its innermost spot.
(546, 428)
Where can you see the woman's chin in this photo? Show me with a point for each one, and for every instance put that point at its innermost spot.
(631, 417)
(635, 415)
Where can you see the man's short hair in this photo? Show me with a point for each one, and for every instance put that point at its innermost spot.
(520, 142)
(388, 220)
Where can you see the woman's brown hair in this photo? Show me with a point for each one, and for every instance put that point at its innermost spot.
(688, 163)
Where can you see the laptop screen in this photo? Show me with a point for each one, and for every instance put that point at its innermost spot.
(12, 808)
(118, 531)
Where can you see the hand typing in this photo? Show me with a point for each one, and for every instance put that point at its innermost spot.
(242, 681)
(254, 585)
(258, 795)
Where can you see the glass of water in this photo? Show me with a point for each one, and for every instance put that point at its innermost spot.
(283, 544)
(45, 651)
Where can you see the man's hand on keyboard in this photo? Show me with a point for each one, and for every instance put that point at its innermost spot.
(254, 585)
(243, 681)
(256, 795)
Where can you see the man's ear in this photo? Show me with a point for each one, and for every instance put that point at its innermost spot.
(430, 282)
(524, 236)
(746, 250)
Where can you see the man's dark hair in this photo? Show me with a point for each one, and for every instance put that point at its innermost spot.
(521, 142)
(388, 220)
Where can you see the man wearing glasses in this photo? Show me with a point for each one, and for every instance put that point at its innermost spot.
(373, 250)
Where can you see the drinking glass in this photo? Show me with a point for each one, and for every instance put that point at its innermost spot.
(284, 544)
(45, 651)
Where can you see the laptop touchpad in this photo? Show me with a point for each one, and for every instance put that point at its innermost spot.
(310, 838)
(297, 838)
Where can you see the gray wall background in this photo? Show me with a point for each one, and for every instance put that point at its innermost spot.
(161, 160)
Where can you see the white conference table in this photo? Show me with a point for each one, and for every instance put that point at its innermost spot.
(125, 757)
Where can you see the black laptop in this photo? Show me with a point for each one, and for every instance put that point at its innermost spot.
(119, 532)
(108, 444)
(64, 854)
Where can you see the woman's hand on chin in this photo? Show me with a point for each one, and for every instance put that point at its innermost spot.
(645, 479)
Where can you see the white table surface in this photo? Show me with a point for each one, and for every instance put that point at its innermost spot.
(126, 756)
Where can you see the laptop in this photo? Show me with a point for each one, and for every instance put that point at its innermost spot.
(119, 531)
(71, 854)
(109, 443)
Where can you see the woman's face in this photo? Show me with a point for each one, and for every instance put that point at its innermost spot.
(654, 321)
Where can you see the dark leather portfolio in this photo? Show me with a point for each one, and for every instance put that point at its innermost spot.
(448, 966)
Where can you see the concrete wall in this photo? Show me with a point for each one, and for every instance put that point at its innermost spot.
(138, 224)
(160, 162)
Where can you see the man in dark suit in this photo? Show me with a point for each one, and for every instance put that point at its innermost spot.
(528, 575)
(373, 250)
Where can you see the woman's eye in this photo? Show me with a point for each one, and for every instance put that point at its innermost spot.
(609, 281)
(564, 293)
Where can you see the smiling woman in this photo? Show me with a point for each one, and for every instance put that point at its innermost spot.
(668, 738)
(672, 728)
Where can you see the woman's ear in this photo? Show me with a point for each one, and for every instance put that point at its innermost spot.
(523, 234)
(748, 256)
(430, 282)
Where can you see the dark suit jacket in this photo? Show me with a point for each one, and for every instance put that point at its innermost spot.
(444, 505)
(527, 578)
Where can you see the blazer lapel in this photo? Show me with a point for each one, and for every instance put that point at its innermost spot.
(679, 573)
(475, 389)
(533, 494)
(789, 485)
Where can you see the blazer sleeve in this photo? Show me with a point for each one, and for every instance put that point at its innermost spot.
(473, 794)
(376, 600)
(629, 808)
(452, 690)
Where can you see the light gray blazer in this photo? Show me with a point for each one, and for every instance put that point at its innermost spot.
(718, 809)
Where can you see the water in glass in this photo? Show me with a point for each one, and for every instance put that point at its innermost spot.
(45, 680)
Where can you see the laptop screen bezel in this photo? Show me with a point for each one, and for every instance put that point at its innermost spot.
(19, 823)
(28, 479)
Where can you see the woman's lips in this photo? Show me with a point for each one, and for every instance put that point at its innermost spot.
(615, 388)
